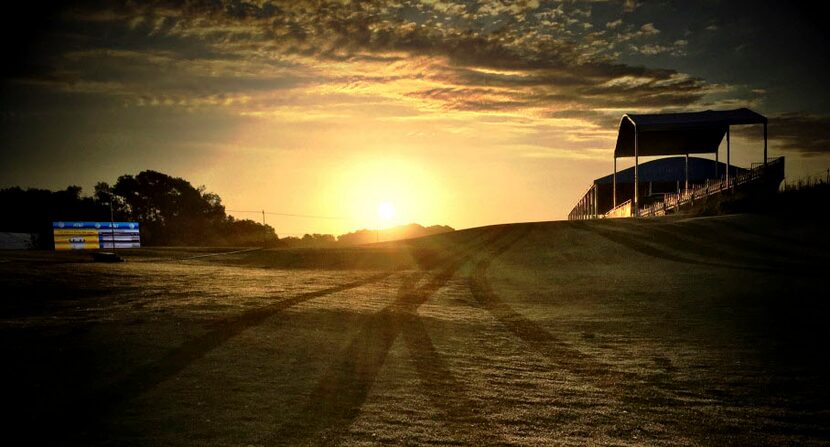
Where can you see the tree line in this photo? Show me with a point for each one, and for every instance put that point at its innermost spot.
(364, 236)
(170, 210)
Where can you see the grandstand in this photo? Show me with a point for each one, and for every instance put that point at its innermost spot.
(679, 182)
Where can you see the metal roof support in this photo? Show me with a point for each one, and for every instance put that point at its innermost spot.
(615, 183)
(687, 172)
(680, 134)
(727, 156)
(636, 201)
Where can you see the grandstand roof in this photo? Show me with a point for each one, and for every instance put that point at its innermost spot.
(679, 133)
(671, 169)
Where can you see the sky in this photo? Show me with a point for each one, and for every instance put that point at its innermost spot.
(458, 113)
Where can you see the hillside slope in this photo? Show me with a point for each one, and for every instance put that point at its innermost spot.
(676, 332)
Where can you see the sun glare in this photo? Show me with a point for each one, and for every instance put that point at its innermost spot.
(385, 192)
(386, 211)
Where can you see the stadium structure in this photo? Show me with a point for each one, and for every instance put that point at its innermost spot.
(679, 182)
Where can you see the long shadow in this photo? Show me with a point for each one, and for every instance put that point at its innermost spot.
(97, 407)
(646, 396)
(341, 392)
(626, 388)
(529, 331)
(449, 396)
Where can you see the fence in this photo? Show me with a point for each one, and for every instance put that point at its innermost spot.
(808, 181)
(586, 208)
(673, 202)
(621, 210)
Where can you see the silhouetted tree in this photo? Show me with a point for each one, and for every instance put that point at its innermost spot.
(247, 233)
(171, 211)
(170, 208)
(33, 210)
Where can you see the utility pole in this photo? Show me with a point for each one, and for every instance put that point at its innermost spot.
(112, 223)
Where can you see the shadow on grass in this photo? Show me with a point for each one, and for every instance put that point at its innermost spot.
(341, 392)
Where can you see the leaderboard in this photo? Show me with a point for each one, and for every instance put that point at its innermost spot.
(96, 235)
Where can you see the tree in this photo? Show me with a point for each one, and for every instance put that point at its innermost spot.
(170, 210)
(173, 211)
(33, 210)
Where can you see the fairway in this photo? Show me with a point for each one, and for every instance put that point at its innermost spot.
(665, 331)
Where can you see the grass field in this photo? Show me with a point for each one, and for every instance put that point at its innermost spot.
(705, 331)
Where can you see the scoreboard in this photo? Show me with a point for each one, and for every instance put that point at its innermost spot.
(96, 235)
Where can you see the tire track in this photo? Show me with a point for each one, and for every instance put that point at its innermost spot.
(688, 239)
(341, 392)
(780, 247)
(531, 332)
(624, 239)
(636, 245)
(789, 241)
(624, 388)
(210, 255)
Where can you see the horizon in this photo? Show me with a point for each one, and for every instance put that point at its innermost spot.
(463, 114)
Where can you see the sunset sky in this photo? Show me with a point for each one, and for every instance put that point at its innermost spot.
(457, 113)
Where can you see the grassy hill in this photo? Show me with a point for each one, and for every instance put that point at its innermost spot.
(675, 331)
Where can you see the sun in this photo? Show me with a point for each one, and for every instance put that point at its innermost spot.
(381, 192)
(386, 211)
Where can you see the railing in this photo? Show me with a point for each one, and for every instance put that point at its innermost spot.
(621, 210)
(687, 197)
(586, 207)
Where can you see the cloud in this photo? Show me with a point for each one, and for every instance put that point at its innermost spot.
(801, 132)
(649, 29)
(676, 48)
(267, 59)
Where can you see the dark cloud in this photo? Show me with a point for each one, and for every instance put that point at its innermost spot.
(561, 60)
(800, 132)
(203, 48)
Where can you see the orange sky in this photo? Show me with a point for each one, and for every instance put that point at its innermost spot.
(459, 113)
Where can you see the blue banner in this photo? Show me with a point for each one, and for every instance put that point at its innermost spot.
(95, 225)
(95, 235)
